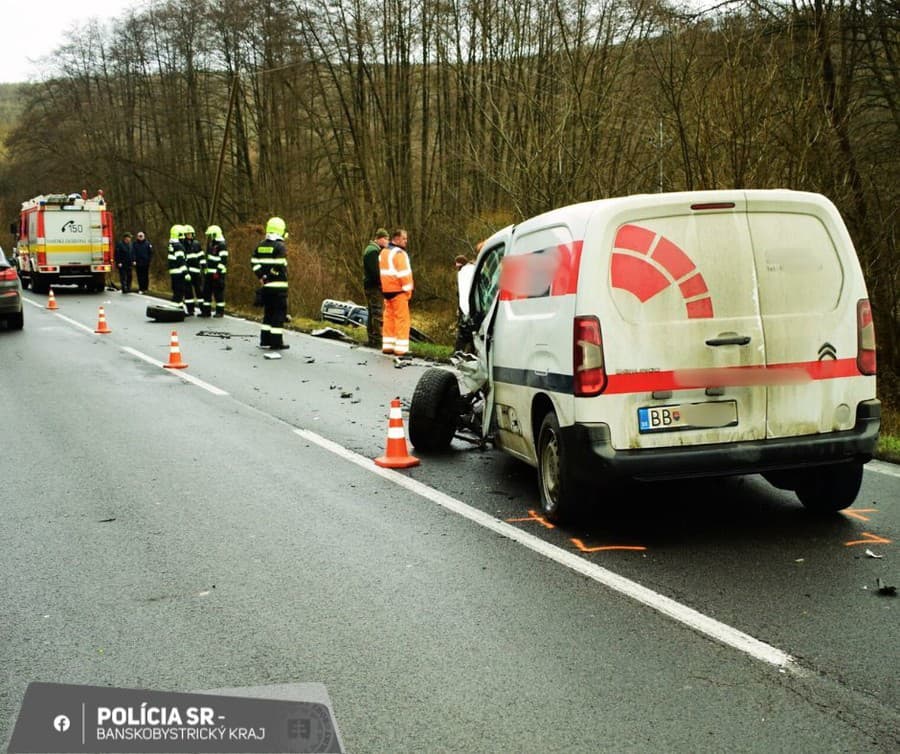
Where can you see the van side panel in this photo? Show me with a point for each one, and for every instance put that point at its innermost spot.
(533, 332)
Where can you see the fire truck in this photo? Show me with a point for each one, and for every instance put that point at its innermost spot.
(65, 239)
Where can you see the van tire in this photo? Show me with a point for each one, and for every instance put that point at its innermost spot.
(827, 489)
(434, 410)
(163, 313)
(559, 493)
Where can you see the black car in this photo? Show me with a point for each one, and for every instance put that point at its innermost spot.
(11, 306)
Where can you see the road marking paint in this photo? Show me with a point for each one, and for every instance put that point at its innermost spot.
(859, 513)
(683, 614)
(77, 324)
(183, 375)
(880, 467)
(869, 539)
(532, 516)
(584, 548)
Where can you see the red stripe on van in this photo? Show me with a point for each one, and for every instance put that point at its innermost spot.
(693, 286)
(637, 276)
(672, 258)
(634, 238)
(691, 379)
(702, 308)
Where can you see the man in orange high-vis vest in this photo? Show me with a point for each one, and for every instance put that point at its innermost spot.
(397, 288)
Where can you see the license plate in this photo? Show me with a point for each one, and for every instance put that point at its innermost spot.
(687, 416)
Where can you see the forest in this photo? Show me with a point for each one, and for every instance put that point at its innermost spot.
(453, 118)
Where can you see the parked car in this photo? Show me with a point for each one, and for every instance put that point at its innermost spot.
(11, 306)
(668, 336)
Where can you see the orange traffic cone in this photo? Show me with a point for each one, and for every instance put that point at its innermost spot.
(175, 361)
(51, 302)
(395, 455)
(102, 327)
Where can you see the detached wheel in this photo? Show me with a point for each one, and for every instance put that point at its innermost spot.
(162, 313)
(826, 489)
(559, 493)
(434, 410)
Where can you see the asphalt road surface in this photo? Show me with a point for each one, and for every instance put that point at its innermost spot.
(224, 526)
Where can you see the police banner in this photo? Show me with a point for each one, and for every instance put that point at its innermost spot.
(68, 718)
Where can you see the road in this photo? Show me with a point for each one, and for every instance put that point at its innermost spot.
(223, 526)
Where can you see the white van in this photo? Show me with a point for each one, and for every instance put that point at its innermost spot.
(665, 336)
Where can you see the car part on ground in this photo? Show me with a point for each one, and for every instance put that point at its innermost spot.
(165, 312)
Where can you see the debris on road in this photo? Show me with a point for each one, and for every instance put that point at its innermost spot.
(329, 332)
(884, 589)
(870, 554)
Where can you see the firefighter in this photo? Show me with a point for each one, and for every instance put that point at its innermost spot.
(269, 264)
(177, 266)
(196, 261)
(214, 272)
(397, 289)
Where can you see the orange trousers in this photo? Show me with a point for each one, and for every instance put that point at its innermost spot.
(395, 326)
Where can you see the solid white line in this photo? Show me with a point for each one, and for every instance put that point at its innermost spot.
(87, 329)
(177, 372)
(880, 467)
(682, 613)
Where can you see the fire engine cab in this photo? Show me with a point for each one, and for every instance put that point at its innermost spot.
(65, 239)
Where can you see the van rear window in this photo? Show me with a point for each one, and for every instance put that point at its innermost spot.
(798, 264)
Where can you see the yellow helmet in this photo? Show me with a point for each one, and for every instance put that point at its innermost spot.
(176, 232)
(187, 229)
(275, 227)
(215, 232)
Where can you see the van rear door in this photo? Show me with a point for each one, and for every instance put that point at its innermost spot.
(681, 327)
(810, 285)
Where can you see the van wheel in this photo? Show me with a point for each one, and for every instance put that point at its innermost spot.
(434, 410)
(826, 489)
(559, 492)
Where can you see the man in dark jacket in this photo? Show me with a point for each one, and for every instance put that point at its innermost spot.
(142, 253)
(372, 285)
(124, 261)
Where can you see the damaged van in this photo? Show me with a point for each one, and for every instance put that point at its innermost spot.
(668, 336)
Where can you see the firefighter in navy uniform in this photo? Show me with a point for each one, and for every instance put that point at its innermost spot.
(196, 261)
(269, 264)
(214, 272)
(177, 264)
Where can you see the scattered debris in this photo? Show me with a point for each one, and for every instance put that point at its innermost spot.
(346, 395)
(870, 554)
(884, 589)
(329, 332)
(271, 355)
(224, 334)
(105, 520)
(310, 360)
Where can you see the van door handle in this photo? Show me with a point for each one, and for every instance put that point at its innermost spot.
(730, 340)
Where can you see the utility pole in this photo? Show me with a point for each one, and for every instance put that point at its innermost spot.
(217, 188)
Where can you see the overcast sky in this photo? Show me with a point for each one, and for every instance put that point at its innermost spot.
(32, 30)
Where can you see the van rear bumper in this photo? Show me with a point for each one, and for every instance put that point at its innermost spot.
(589, 453)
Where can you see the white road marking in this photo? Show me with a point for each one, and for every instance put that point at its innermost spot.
(177, 372)
(675, 610)
(87, 329)
(880, 467)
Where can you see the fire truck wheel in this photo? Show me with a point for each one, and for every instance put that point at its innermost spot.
(165, 313)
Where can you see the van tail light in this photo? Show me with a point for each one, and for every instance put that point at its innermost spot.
(8, 273)
(589, 370)
(865, 337)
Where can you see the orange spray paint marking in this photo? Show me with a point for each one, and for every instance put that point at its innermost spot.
(870, 539)
(584, 548)
(857, 513)
(532, 516)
